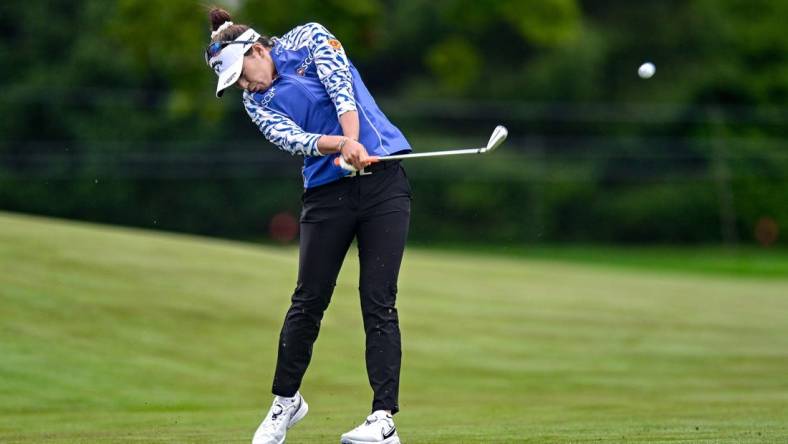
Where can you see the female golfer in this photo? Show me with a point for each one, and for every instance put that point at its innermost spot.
(308, 99)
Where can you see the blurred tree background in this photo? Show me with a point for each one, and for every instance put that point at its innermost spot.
(108, 115)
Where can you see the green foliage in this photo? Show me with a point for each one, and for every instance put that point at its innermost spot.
(456, 63)
(354, 21)
(108, 108)
(546, 23)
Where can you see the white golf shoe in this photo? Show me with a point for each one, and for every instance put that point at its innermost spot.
(284, 413)
(377, 429)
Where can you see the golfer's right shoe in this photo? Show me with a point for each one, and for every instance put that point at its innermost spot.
(377, 429)
(284, 413)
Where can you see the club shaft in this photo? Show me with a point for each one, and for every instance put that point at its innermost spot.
(433, 154)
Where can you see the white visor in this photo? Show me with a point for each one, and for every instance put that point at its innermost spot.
(229, 62)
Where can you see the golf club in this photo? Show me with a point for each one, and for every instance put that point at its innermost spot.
(496, 139)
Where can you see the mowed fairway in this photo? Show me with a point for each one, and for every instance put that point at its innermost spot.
(115, 335)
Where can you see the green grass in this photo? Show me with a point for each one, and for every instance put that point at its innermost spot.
(743, 261)
(118, 335)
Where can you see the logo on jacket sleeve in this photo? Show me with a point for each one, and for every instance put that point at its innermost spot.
(334, 43)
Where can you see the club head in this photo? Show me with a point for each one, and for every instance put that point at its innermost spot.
(497, 138)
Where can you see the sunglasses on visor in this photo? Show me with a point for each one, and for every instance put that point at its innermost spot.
(216, 47)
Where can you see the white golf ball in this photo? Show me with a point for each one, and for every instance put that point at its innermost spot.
(647, 70)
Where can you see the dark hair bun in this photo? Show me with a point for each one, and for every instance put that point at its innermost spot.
(218, 17)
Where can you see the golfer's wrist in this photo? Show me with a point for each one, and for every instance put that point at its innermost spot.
(341, 145)
(329, 144)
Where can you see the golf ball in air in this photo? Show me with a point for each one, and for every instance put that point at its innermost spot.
(647, 70)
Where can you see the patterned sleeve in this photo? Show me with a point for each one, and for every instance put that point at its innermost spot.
(332, 64)
(281, 131)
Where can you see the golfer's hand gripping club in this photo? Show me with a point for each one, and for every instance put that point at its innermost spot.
(353, 156)
(340, 162)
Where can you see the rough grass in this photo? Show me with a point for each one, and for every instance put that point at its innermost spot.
(117, 335)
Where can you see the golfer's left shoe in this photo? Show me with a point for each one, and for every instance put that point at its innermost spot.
(284, 413)
(377, 429)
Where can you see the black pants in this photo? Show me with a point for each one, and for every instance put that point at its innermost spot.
(375, 209)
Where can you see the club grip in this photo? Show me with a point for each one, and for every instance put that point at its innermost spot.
(340, 162)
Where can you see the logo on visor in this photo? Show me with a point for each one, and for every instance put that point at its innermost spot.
(229, 81)
(216, 66)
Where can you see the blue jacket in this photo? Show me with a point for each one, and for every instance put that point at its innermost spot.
(316, 84)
